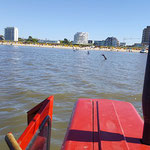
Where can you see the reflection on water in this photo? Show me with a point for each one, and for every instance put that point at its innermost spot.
(29, 75)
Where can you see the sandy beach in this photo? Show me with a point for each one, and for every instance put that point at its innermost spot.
(72, 47)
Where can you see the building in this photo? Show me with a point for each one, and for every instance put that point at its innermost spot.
(122, 44)
(111, 41)
(11, 34)
(49, 41)
(146, 36)
(137, 45)
(81, 38)
(99, 43)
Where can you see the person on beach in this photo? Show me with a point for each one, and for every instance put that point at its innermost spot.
(88, 52)
(104, 56)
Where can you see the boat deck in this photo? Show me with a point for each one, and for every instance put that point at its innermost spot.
(100, 124)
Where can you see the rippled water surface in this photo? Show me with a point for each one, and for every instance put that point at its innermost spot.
(28, 75)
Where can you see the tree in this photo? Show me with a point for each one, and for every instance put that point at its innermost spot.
(21, 40)
(66, 41)
(30, 38)
(61, 42)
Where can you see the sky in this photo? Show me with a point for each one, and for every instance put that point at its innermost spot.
(59, 19)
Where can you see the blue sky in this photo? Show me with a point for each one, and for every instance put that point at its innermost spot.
(59, 19)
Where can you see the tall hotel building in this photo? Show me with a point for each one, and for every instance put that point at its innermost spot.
(11, 34)
(146, 36)
(81, 38)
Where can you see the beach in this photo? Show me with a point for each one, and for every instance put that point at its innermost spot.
(115, 49)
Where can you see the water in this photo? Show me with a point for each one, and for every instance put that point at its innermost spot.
(28, 75)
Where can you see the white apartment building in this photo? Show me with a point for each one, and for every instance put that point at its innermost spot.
(11, 34)
(81, 38)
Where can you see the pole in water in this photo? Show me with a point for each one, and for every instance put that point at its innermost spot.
(146, 103)
(104, 56)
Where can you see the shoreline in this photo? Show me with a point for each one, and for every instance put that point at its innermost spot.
(73, 48)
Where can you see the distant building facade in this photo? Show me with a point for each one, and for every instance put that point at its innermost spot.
(11, 34)
(137, 45)
(81, 38)
(99, 43)
(122, 44)
(49, 41)
(146, 36)
(111, 41)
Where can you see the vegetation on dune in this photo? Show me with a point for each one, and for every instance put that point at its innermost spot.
(30, 39)
(67, 43)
